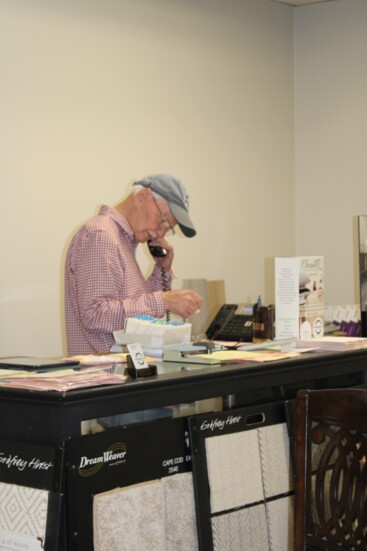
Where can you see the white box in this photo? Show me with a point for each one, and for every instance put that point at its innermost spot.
(299, 297)
(151, 333)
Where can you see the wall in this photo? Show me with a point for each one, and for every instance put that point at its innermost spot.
(96, 94)
(331, 129)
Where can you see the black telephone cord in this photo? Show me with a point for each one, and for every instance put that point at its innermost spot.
(165, 288)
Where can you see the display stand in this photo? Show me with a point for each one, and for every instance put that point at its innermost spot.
(52, 420)
(31, 497)
(243, 479)
(120, 460)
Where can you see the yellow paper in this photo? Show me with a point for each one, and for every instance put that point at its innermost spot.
(256, 356)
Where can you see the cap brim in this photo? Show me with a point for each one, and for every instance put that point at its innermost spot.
(183, 220)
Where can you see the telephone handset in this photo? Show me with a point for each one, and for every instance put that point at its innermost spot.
(233, 322)
(156, 250)
(160, 252)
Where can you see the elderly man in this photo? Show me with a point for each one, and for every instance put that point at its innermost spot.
(103, 282)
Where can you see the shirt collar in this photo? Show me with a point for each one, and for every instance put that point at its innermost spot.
(119, 219)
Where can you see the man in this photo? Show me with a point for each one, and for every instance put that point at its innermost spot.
(103, 282)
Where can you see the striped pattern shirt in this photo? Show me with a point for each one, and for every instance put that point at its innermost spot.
(104, 284)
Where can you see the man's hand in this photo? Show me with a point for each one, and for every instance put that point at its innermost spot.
(185, 303)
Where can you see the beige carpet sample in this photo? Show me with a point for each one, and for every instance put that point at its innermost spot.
(243, 530)
(158, 515)
(234, 470)
(179, 513)
(129, 519)
(23, 510)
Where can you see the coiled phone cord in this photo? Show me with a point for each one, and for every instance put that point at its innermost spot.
(165, 288)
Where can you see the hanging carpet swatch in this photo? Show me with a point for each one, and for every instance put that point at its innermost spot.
(234, 470)
(275, 460)
(242, 530)
(23, 510)
(250, 487)
(158, 515)
(179, 512)
(280, 513)
(129, 519)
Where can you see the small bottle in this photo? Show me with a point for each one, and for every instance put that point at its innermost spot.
(269, 322)
(263, 322)
(258, 322)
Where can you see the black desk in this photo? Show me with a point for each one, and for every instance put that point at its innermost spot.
(49, 418)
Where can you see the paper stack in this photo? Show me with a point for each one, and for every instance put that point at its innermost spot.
(333, 343)
(153, 335)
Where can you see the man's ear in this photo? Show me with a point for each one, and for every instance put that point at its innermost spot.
(142, 196)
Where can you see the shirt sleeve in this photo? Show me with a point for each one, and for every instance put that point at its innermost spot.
(110, 287)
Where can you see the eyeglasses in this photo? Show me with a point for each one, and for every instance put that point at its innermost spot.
(164, 222)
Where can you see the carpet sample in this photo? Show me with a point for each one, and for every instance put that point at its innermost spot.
(179, 512)
(275, 459)
(242, 530)
(129, 519)
(280, 514)
(23, 510)
(234, 470)
(158, 515)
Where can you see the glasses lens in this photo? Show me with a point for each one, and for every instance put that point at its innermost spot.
(164, 222)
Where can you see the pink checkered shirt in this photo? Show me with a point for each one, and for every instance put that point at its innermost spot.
(104, 284)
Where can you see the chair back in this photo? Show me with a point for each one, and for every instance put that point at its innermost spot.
(331, 470)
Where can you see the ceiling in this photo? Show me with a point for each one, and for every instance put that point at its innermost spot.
(301, 2)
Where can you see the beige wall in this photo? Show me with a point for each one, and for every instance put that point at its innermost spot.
(331, 130)
(96, 94)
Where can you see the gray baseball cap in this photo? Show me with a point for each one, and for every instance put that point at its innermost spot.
(174, 192)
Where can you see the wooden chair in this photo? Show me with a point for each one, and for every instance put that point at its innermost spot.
(331, 470)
